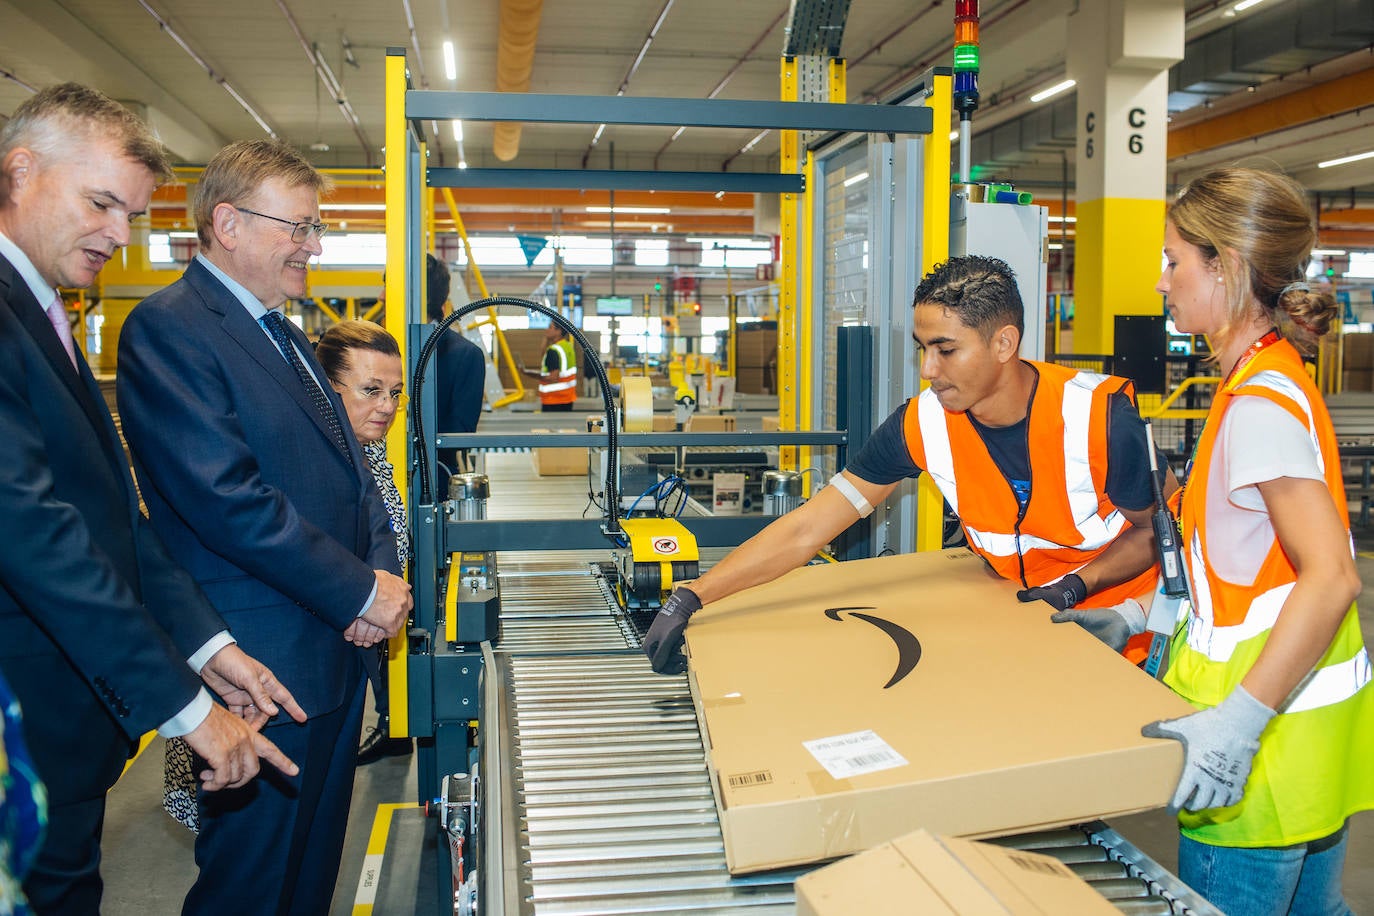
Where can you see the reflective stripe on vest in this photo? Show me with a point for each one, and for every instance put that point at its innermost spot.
(566, 376)
(1326, 686)
(1094, 531)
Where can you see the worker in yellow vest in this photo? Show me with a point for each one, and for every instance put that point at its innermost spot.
(1282, 752)
(558, 378)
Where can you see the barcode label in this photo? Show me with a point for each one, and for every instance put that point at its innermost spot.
(745, 780)
(1037, 865)
(854, 754)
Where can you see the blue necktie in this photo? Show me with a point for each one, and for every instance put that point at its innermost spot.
(276, 326)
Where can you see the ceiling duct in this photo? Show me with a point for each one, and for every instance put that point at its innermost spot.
(518, 33)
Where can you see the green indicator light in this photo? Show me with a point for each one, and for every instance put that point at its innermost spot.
(966, 57)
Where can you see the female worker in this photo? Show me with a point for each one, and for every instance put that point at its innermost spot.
(363, 363)
(1271, 651)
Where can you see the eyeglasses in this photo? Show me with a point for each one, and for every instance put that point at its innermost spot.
(299, 231)
(372, 393)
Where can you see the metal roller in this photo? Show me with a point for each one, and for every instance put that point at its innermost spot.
(606, 801)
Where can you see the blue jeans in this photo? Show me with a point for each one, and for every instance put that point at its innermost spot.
(1301, 880)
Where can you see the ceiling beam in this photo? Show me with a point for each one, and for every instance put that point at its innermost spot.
(1335, 97)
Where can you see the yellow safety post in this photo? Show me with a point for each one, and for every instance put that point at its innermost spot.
(930, 504)
(790, 218)
(397, 439)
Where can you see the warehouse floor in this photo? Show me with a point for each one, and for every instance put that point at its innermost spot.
(149, 865)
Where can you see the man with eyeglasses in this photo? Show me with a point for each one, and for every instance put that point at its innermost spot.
(252, 474)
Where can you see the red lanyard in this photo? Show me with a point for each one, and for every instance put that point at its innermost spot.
(1270, 338)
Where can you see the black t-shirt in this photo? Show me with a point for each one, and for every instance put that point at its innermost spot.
(884, 457)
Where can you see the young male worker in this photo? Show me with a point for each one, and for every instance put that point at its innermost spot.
(1046, 466)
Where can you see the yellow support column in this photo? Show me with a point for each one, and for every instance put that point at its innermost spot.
(930, 504)
(397, 438)
(1122, 143)
(790, 250)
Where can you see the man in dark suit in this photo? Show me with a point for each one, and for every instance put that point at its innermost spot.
(460, 365)
(101, 634)
(255, 481)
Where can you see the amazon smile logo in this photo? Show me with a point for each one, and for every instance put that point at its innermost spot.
(908, 646)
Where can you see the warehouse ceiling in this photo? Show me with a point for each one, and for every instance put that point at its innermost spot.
(1286, 84)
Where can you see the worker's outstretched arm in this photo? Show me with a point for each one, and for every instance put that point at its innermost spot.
(783, 546)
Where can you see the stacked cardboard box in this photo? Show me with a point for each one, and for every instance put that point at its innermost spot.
(527, 346)
(1358, 362)
(848, 704)
(559, 462)
(756, 359)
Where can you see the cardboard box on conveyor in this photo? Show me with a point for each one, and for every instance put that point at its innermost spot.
(847, 704)
(947, 876)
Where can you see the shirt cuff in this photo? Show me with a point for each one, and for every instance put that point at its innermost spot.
(371, 597)
(190, 717)
(207, 651)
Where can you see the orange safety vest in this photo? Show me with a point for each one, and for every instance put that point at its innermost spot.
(563, 388)
(1313, 767)
(1069, 519)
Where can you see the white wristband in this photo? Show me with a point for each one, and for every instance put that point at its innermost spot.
(851, 493)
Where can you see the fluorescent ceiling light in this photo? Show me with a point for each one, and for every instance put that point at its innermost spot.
(1055, 246)
(1344, 159)
(1327, 252)
(754, 142)
(462, 163)
(855, 179)
(192, 235)
(1063, 219)
(1244, 5)
(450, 64)
(1053, 90)
(597, 136)
(346, 206)
(629, 210)
(458, 131)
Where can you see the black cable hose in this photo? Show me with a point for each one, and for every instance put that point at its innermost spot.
(594, 360)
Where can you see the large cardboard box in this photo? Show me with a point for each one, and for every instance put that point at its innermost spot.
(847, 704)
(559, 462)
(947, 876)
(710, 423)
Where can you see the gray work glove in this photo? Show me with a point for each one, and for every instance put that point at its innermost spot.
(663, 642)
(1219, 745)
(1060, 595)
(1113, 625)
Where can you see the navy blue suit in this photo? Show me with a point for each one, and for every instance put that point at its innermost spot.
(246, 487)
(96, 621)
(460, 373)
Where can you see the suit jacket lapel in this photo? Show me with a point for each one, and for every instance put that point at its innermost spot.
(35, 321)
(249, 335)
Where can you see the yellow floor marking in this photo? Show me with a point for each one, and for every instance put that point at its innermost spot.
(372, 862)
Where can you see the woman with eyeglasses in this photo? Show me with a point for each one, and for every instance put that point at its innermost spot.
(363, 364)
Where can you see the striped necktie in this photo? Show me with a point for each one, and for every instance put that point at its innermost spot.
(276, 326)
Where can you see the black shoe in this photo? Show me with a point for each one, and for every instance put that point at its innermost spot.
(377, 745)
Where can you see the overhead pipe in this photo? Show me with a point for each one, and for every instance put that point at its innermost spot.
(625, 83)
(516, 37)
(729, 74)
(328, 80)
(223, 83)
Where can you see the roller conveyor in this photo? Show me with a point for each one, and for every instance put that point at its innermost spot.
(608, 804)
